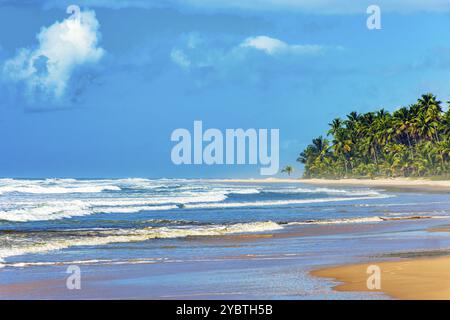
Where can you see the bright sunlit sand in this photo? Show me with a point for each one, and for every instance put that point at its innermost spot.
(416, 183)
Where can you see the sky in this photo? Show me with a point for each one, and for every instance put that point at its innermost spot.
(98, 92)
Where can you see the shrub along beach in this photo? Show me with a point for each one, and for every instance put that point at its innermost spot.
(413, 141)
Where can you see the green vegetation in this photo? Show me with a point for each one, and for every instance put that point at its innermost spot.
(413, 141)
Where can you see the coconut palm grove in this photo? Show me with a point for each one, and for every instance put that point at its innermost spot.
(413, 141)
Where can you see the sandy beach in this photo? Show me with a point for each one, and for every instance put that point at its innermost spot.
(404, 183)
(423, 278)
(412, 279)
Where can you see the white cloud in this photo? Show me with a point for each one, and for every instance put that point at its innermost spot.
(180, 58)
(201, 54)
(274, 46)
(62, 48)
(256, 60)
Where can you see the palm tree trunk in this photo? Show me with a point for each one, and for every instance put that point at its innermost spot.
(409, 143)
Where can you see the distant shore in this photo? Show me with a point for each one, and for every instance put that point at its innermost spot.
(403, 183)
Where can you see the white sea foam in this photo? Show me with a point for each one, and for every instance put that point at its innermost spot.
(279, 202)
(329, 191)
(38, 209)
(133, 209)
(339, 221)
(55, 209)
(243, 191)
(104, 237)
(367, 219)
(408, 204)
(37, 189)
(46, 211)
(133, 206)
(185, 198)
(35, 200)
(279, 256)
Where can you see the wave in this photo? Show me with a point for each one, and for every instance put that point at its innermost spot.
(55, 210)
(243, 191)
(40, 210)
(328, 191)
(85, 262)
(103, 237)
(133, 209)
(59, 186)
(37, 189)
(407, 204)
(161, 195)
(131, 261)
(46, 211)
(337, 221)
(363, 220)
(278, 202)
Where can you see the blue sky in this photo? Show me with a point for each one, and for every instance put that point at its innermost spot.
(105, 105)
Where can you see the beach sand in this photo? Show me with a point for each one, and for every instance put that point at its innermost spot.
(403, 183)
(424, 278)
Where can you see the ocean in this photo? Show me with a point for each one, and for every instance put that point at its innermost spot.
(184, 236)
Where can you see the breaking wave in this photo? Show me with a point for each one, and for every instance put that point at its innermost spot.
(107, 236)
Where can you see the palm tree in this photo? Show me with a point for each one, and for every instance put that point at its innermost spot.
(336, 126)
(314, 154)
(430, 112)
(414, 140)
(288, 170)
(401, 122)
(443, 148)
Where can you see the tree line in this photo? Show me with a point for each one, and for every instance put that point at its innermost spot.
(413, 141)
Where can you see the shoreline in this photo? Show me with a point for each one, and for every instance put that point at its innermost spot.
(48, 281)
(395, 183)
